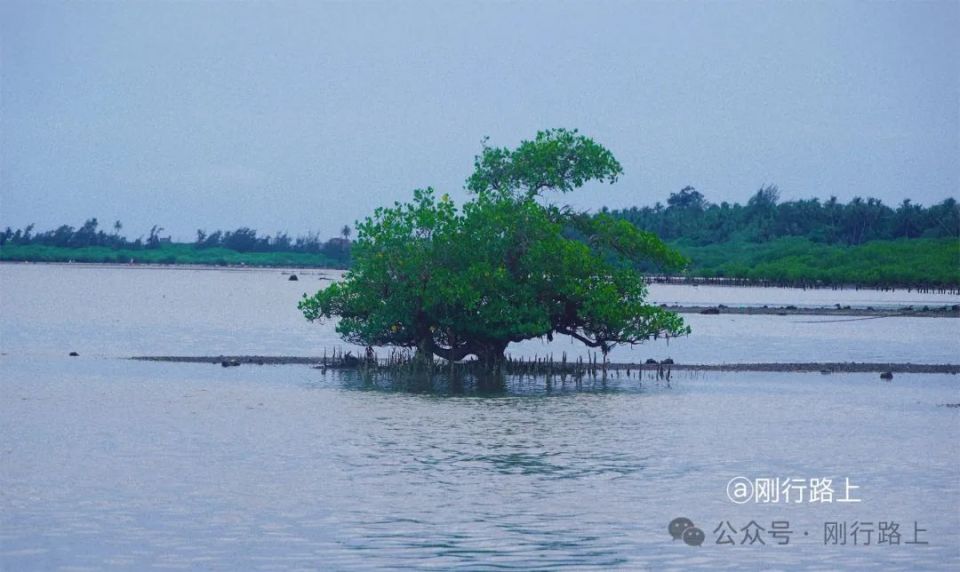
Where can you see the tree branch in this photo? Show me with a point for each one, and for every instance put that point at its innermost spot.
(453, 353)
(587, 341)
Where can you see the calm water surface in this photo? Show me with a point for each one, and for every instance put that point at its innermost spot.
(111, 463)
(50, 310)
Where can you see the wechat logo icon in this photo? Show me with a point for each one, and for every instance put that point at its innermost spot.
(684, 528)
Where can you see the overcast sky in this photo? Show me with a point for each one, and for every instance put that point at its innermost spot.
(305, 116)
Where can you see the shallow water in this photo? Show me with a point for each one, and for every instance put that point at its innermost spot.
(810, 297)
(50, 310)
(113, 463)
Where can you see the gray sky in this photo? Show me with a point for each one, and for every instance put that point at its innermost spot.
(305, 116)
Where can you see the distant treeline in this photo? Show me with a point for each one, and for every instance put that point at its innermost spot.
(689, 218)
(242, 240)
(792, 242)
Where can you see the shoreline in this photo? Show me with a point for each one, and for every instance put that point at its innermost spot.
(175, 266)
(929, 310)
(693, 281)
(869, 312)
(785, 367)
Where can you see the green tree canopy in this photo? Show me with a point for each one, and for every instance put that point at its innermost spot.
(558, 159)
(503, 268)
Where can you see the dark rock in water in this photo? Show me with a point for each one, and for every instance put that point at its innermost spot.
(293, 278)
(651, 361)
(887, 375)
(74, 354)
(710, 311)
(667, 361)
(825, 371)
(229, 363)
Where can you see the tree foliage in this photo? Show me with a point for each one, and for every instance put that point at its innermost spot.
(557, 159)
(691, 218)
(504, 268)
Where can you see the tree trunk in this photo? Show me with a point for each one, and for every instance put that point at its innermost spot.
(424, 355)
(491, 354)
(429, 348)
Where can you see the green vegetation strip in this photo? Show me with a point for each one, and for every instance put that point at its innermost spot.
(904, 262)
(913, 263)
(174, 253)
